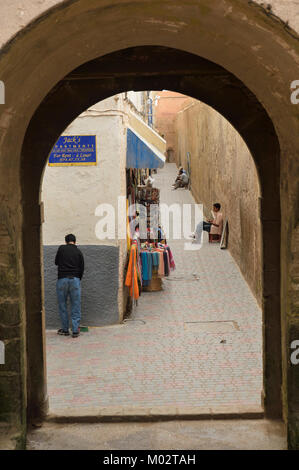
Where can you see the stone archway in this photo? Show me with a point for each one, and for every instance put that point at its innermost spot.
(143, 69)
(241, 64)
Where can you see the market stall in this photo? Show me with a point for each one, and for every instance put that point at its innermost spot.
(149, 257)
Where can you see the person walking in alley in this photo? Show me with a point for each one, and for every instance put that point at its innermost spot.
(70, 262)
(213, 226)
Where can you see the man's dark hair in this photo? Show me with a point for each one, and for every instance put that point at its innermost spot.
(217, 205)
(70, 238)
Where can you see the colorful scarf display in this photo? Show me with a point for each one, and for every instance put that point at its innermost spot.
(133, 273)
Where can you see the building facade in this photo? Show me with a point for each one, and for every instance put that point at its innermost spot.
(89, 200)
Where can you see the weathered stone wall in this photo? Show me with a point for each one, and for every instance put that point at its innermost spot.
(287, 10)
(12, 372)
(16, 14)
(222, 170)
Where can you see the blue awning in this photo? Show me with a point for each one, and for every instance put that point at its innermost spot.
(141, 154)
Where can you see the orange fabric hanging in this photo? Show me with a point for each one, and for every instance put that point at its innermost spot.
(132, 274)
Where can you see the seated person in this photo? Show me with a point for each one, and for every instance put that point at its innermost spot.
(213, 227)
(182, 179)
(178, 175)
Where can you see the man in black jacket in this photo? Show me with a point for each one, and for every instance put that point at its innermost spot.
(70, 262)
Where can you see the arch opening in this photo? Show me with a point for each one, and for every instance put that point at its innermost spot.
(58, 180)
(158, 68)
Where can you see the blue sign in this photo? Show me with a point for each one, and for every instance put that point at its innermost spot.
(74, 150)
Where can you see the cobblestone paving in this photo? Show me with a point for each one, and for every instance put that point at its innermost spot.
(166, 356)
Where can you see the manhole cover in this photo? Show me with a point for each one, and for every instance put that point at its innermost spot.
(212, 326)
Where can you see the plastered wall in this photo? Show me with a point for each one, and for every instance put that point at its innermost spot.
(71, 196)
(222, 170)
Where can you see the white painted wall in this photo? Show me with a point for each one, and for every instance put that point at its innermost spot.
(137, 99)
(71, 193)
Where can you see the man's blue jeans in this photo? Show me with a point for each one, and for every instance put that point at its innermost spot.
(69, 287)
(206, 226)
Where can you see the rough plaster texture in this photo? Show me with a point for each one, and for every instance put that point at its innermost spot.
(222, 170)
(231, 33)
(16, 14)
(71, 195)
(166, 105)
(138, 100)
(99, 286)
(12, 411)
(287, 10)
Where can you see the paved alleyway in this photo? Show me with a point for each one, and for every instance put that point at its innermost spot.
(196, 344)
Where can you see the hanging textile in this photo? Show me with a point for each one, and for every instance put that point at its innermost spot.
(166, 263)
(171, 258)
(146, 263)
(147, 267)
(156, 259)
(133, 274)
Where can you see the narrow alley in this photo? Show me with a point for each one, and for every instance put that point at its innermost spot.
(195, 347)
(116, 119)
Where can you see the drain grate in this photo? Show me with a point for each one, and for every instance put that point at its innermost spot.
(227, 326)
(193, 277)
(134, 322)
